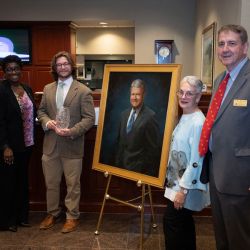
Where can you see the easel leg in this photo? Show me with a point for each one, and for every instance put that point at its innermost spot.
(142, 216)
(103, 204)
(151, 205)
(140, 208)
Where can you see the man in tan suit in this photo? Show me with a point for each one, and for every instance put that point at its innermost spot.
(63, 147)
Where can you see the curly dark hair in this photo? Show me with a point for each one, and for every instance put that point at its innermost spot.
(11, 59)
(69, 59)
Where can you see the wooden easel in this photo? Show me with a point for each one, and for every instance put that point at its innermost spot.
(128, 203)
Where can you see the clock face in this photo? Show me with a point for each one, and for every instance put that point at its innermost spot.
(164, 51)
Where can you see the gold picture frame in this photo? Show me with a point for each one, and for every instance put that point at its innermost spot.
(161, 85)
(207, 56)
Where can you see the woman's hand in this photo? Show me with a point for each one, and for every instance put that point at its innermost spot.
(8, 156)
(179, 200)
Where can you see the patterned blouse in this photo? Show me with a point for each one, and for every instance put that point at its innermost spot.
(26, 107)
(184, 166)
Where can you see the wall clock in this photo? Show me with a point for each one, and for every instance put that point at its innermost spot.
(163, 51)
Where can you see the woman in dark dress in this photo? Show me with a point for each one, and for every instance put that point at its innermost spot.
(17, 120)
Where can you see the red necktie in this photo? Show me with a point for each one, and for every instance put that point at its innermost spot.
(211, 115)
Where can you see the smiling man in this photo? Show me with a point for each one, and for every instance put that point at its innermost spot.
(138, 138)
(229, 162)
(63, 148)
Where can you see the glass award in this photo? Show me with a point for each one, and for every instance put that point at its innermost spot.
(62, 118)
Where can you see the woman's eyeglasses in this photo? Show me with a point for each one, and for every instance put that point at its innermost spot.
(188, 94)
(12, 69)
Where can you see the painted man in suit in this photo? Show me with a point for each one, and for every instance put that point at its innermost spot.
(230, 144)
(63, 148)
(138, 141)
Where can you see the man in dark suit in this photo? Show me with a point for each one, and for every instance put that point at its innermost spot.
(138, 140)
(230, 144)
(63, 147)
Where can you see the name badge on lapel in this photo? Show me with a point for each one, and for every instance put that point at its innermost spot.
(240, 103)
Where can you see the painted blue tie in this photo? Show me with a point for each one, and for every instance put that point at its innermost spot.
(131, 122)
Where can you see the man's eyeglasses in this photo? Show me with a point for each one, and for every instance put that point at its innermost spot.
(188, 94)
(60, 65)
(14, 69)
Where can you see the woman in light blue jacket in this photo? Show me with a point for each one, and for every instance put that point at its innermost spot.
(184, 191)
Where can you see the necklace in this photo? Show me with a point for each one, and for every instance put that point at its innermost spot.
(17, 90)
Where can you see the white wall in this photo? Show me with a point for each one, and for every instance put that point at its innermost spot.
(245, 17)
(178, 20)
(154, 20)
(105, 41)
(222, 12)
(173, 20)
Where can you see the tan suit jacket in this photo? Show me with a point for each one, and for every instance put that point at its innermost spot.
(82, 117)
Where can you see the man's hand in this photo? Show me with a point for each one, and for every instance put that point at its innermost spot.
(51, 125)
(63, 132)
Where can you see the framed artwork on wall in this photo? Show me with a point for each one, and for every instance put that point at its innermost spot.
(163, 51)
(207, 56)
(140, 154)
(80, 71)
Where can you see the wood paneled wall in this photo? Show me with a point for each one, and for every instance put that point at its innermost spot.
(47, 38)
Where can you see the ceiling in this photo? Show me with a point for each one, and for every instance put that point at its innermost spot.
(103, 23)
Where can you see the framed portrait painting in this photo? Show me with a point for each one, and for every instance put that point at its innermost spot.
(207, 56)
(144, 96)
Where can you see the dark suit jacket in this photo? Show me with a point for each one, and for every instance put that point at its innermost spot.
(11, 123)
(139, 150)
(82, 118)
(231, 137)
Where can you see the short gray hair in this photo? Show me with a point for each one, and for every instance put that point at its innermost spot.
(193, 81)
(138, 83)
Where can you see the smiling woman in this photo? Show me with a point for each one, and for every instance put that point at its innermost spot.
(189, 95)
(184, 191)
(17, 119)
